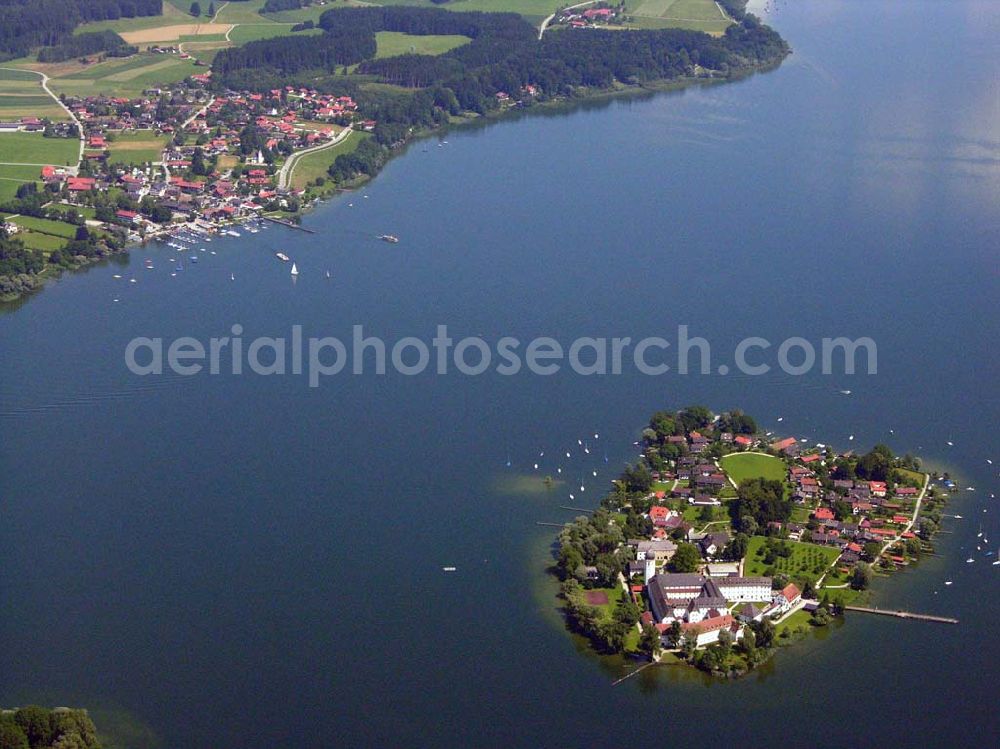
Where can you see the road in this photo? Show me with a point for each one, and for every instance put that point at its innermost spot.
(549, 19)
(79, 126)
(285, 174)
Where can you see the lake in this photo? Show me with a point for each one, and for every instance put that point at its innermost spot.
(245, 561)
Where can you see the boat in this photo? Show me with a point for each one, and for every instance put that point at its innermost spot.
(392, 239)
(295, 271)
(232, 276)
(328, 274)
(116, 275)
(232, 233)
(449, 569)
(193, 258)
(282, 257)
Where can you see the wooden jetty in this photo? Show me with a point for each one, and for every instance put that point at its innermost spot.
(904, 614)
(289, 224)
(553, 525)
(574, 509)
(630, 674)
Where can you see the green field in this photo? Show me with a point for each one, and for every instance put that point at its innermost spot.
(128, 77)
(807, 560)
(392, 43)
(315, 165)
(697, 15)
(252, 32)
(33, 148)
(34, 240)
(137, 147)
(45, 226)
(743, 466)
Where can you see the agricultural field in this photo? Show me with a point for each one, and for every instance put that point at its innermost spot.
(314, 165)
(22, 95)
(696, 15)
(171, 15)
(34, 148)
(532, 10)
(392, 43)
(806, 560)
(136, 147)
(743, 466)
(124, 76)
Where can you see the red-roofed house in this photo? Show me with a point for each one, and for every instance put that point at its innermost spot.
(823, 513)
(877, 488)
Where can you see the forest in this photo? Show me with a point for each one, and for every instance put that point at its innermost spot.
(503, 56)
(90, 43)
(31, 23)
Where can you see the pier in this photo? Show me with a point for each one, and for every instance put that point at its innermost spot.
(904, 614)
(574, 509)
(289, 224)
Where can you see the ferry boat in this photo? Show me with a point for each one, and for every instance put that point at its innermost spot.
(388, 238)
(282, 257)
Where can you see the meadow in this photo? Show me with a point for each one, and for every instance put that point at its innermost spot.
(314, 165)
(696, 15)
(392, 43)
(136, 147)
(34, 148)
(743, 466)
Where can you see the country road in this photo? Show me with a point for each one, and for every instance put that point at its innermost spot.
(285, 174)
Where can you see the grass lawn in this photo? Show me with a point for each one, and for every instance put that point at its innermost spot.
(914, 476)
(34, 148)
(743, 466)
(392, 43)
(34, 240)
(807, 560)
(45, 226)
(798, 619)
(315, 165)
(137, 147)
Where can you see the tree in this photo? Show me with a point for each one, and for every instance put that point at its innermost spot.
(685, 559)
(211, 10)
(195, 9)
(737, 548)
(12, 737)
(862, 577)
(650, 642)
(674, 634)
(725, 643)
(760, 499)
(689, 643)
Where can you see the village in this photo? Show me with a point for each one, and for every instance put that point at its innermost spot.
(723, 533)
(221, 159)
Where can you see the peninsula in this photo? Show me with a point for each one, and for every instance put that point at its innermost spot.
(724, 541)
(115, 130)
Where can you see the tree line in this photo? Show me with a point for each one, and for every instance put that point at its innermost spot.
(90, 43)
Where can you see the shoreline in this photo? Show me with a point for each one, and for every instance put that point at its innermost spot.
(315, 200)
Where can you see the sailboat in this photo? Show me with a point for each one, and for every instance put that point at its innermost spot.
(295, 271)
(328, 274)
(232, 276)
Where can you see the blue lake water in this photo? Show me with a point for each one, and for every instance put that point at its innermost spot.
(217, 561)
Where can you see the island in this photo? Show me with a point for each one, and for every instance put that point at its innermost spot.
(122, 121)
(723, 541)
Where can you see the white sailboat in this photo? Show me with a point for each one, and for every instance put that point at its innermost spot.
(295, 271)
